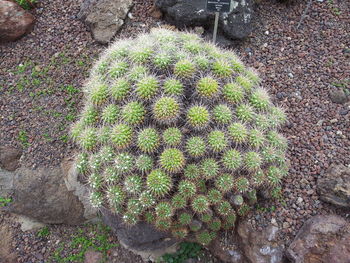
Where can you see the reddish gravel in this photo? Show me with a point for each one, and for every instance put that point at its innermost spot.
(59, 53)
(299, 67)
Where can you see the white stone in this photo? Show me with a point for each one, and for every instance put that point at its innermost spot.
(299, 200)
(27, 223)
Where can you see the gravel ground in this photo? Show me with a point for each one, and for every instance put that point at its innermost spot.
(300, 67)
(59, 243)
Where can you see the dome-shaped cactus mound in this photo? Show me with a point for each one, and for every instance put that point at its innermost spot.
(179, 133)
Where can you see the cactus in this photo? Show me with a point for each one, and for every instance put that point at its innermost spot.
(215, 224)
(148, 140)
(185, 219)
(173, 86)
(222, 114)
(217, 141)
(204, 237)
(163, 210)
(187, 188)
(172, 160)
(133, 113)
(178, 201)
(172, 136)
(231, 160)
(159, 183)
(214, 196)
(196, 146)
(198, 117)
(224, 182)
(207, 87)
(172, 129)
(144, 163)
(166, 110)
(200, 204)
(192, 172)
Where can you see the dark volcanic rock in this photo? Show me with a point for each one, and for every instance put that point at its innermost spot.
(142, 238)
(235, 24)
(322, 239)
(334, 186)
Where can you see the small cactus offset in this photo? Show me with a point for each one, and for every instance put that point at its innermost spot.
(178, 133)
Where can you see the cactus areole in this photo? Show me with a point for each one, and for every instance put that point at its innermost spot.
(174, 129)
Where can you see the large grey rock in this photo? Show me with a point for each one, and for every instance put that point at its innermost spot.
(143, 239)
(338, 96)
(85, 8)
(260, 247)
(249, 245)
(104, 17)
(14, 21)
(322, 239)
(6, 182)
(334, 186)
(9, 158)
(236, 24)
(227, 249)
(42, 194)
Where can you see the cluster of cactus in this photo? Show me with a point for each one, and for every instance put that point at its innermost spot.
(178, 133)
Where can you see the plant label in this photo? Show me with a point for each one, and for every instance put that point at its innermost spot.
(218, 6)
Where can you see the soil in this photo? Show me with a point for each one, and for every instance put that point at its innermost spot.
(40, 77)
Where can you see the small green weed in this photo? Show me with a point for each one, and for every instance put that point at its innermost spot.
(81, 63)
(23, 138)
(341, 84)
(64, 138)
(71, 89)
(44, 232)
(97, 238)
(62, 126)
(65, 59)
(26, 4)
(187, 250)
(335, 10)
(36, 82)
(70, 117)
(21, 68)
(47, 137)
(22, 84)
(4, 201)
(263, 209)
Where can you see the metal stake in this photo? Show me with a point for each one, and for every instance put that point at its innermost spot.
(216, 23)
